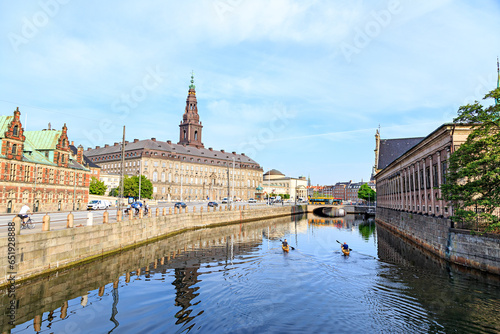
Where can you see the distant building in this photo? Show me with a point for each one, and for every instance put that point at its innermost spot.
(39, 168)
(111, 181)
(186, 170)
(275, 182)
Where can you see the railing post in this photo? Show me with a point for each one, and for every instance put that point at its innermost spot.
(194, 209)
(90, 219)
(201, 209)
(140, 213)
(17, 225)
(70, 220)
(157, 212)
(186, 209)
(105, 217)
(46, 223)
(164, 211)
(169, 211)
(175, 210)
(130, 214)
(118, 216)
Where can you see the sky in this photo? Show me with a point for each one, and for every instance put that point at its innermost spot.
(300, 86)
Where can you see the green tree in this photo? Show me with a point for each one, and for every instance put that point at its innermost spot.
(473, 178)
(97, 187)
(131, 187)
(366, 193)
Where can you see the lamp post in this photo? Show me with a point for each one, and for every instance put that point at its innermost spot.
(140, 178)
(233, 182)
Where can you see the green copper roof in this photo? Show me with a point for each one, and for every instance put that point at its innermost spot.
(43, 140)
(4, 124)
(31, 154)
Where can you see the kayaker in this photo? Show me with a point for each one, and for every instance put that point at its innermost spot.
(285, 243)
(345, 246)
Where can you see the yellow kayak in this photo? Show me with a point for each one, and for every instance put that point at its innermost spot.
(285, 249)
(345, 251)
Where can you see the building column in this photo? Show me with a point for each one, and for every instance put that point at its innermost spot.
(425, 185)
(419, 190)
(450, 207)
(431, 173)
(440, 181)
(401, 197)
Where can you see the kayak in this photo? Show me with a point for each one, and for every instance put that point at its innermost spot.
(285, 249)
(345, 251)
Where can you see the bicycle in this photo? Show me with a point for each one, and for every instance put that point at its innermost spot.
(28, 224)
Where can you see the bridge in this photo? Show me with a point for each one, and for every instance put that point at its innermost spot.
(335, 210)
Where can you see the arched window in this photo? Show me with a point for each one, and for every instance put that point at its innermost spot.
(196, 135)
(15, 131)
(185, 135)
(14, 148)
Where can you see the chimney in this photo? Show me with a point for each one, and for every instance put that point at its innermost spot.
(243, 154)
(153, 139)
(98, 147)
(169, 142)
(115, 144)
(222, 151)
(79, 154)
(136, 140)
(106, 145)
(126, 142)
(210, 149)
(234, 153)
(72, 143)
(89, 148)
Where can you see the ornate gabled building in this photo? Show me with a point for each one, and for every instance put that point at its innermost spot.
(186, 170)
(38, 168)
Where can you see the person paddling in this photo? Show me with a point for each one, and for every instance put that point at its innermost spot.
(345, 246)
(285, 243)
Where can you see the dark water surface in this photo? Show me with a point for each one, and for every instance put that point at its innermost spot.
(237, 279)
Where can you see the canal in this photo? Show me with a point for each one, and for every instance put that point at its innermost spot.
(237, 279)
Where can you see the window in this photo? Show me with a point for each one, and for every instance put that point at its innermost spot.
(169, 177)
(15, 131)
(196, 135)
(162, 177)
(14, 149)
(434, 175)
(155, 189)
(155, 176)
(443, 172)
(427, 177)
(422, 179)
(155, 163)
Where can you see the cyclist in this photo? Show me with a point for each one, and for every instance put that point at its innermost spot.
(23, 213)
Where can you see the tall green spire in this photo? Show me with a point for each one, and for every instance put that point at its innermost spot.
(192, 86)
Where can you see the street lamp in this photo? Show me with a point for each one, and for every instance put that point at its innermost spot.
(140, 177)
(233, 181)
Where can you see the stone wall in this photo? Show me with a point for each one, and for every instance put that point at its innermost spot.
(43, 252)
(436, 235)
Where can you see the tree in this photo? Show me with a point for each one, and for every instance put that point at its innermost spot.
(97, 187)
(366, 193)
(131, 187)
(473, 178)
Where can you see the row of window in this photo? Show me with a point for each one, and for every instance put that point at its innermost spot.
(17, 172)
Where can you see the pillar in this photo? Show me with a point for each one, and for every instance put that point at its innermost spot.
(46, 223)
(105, 217)
(70, 220)
(90, 219)
(118, 216)
(17, 225)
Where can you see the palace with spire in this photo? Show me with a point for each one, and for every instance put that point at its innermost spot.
(186, 170)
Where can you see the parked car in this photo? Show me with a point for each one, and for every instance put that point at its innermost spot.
(213, 204)
(180, 204)
(252, 200)
(224, 200)
(96, 204)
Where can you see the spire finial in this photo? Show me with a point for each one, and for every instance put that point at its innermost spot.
(192, 86)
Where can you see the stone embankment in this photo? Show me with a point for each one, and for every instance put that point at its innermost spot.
(478, 251)
(29, 255)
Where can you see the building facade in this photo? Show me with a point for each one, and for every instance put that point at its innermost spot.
(39, 169)
(411, 181)
(186, 170)
(275, 182)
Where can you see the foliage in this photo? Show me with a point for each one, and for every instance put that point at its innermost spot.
(131, 187)
(97, 187)
(115, 192)
(366, 193)
(366, 229)
(473, 177)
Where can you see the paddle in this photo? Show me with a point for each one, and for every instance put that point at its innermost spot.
(350, 249)
(289, 245)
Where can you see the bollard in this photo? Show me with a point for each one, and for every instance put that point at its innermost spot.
(127, 277)
(105, 217)
(175, 210)
(164, 211)
(194, 209)
(101, 291)
(140, 213)
(201, 209)
(90, 219)
(130, 214)
(84, 299)
(186, 209)
(70, 220)
(220, 208)
(157, 212)
(169, 211)
(17, 225)
(46, 223)
(118, 216)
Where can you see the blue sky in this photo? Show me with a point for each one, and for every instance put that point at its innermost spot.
(300, 86)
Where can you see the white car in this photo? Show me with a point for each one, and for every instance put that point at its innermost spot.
(252, 200)
(97, 204)
(224, 200)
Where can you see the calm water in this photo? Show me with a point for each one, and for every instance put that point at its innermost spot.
(236, 279)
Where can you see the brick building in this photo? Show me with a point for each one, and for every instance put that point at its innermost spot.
(38, 168)
(186, 170)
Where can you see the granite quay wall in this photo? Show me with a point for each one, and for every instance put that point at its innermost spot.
(40, 253)
(478, 251)
(185, 250)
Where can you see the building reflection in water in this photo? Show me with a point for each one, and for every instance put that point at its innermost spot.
(185, 281)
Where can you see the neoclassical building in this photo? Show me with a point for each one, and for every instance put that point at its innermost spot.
(409, 173)
(186, 170)
(39, 168)
(275, 182)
